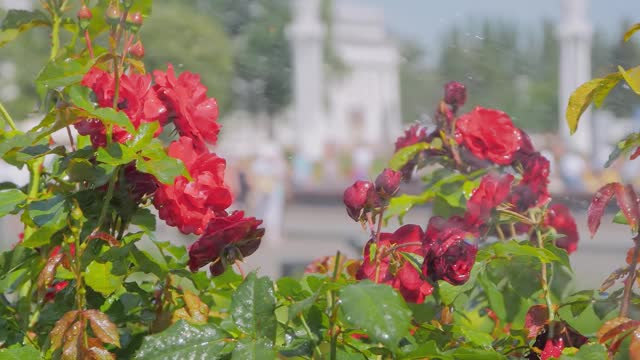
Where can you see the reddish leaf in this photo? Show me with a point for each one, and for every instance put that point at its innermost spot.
(102, 327)
(96, 350)
(628, 203)
(629, 258)
(598, 205)
(635, 154)
(634, 347)
(616, 327)
(72, 345)
(48, 272)
(61, 327)
(537, 317)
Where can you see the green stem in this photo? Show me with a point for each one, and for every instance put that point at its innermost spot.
(80, 290)
(544, 280)
(311, 337)
(108, 197)
(7, 118)
(35, 168)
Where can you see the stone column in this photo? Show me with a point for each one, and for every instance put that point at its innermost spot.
(574, 34)
(306, 34)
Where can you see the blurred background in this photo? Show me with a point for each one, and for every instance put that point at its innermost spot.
(313, 94)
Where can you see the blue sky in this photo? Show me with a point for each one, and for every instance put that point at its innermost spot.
(425, 20)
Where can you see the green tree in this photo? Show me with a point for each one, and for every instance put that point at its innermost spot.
(199, 44)
(418, 83)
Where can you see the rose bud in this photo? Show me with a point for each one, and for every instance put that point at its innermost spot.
(137, 50)
(84, 13)
(359, 197)
(388, 182)
(113, 14)
(455, 94)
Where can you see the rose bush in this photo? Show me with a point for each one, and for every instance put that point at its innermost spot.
(484, 277)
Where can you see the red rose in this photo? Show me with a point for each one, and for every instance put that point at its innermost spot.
(360, 197)
(136, 98)
(545, 348)
(390, 267)
(489, 134)
(139, 184)
(190, 205)
(388, 182)
(195, 115)
(448, 256)
(492, 191)
(559, 217)
(455, 94)
(225, 240)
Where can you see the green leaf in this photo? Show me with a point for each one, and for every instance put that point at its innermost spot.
(594, 90)
(145, 220)
(449, 293)
(589, 352)
(80, 97)
(10, 200)
(19, 21)
(406, 154)
(62, 73)
(184, 341)
(624, 146)
(399, 206)
(49, 215)
(520, 270)
(165, 169)
(619, 218)
(81, 170)
(427, 350)
(253, 350)
(472, 336)
(99, 277)
(143, 136)
(253, 307)
(476, 354)
(513, 248)
(631, 31)
(18, 352)
(115, 154)
(378, 310)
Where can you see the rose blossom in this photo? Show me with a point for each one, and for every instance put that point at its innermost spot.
(195, 115)
(226, 239)
(136, 98)
(492, 191)
(390, 267)
(532, 189)
(388, 182)
(190, 205)
(360, 197)
(489, 134)
(455, 93)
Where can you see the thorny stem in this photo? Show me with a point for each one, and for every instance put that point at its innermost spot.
(543, 280)
(380, 224)
(87, 40)
(631, 278)
(7, 118)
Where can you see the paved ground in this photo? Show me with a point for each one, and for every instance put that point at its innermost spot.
(319, 229)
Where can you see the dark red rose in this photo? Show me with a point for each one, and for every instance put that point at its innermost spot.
(139, 184)
(136, 98)
(359, 198)
(489, 134)
(195, 115)
(492, 191)
(559, 217)
(448, 256)
(545, 348)
(226, 239)
(389, 266)
(455, 94)
(526, 147)
(388, 182)
(191, 205)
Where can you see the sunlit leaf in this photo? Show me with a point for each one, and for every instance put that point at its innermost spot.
(616, 327)
(585, 94)
(72, 342)
(253, 350)
(631, 31)
(99, 277)
(628, 202)
(195, 311)
(10, 200)
(632, 77)
(406, 154)
(17, 352)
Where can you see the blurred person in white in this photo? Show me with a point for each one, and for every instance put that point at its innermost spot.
(269, 177)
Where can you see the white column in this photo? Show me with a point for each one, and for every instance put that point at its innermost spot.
(574, 34)
(306, 34)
